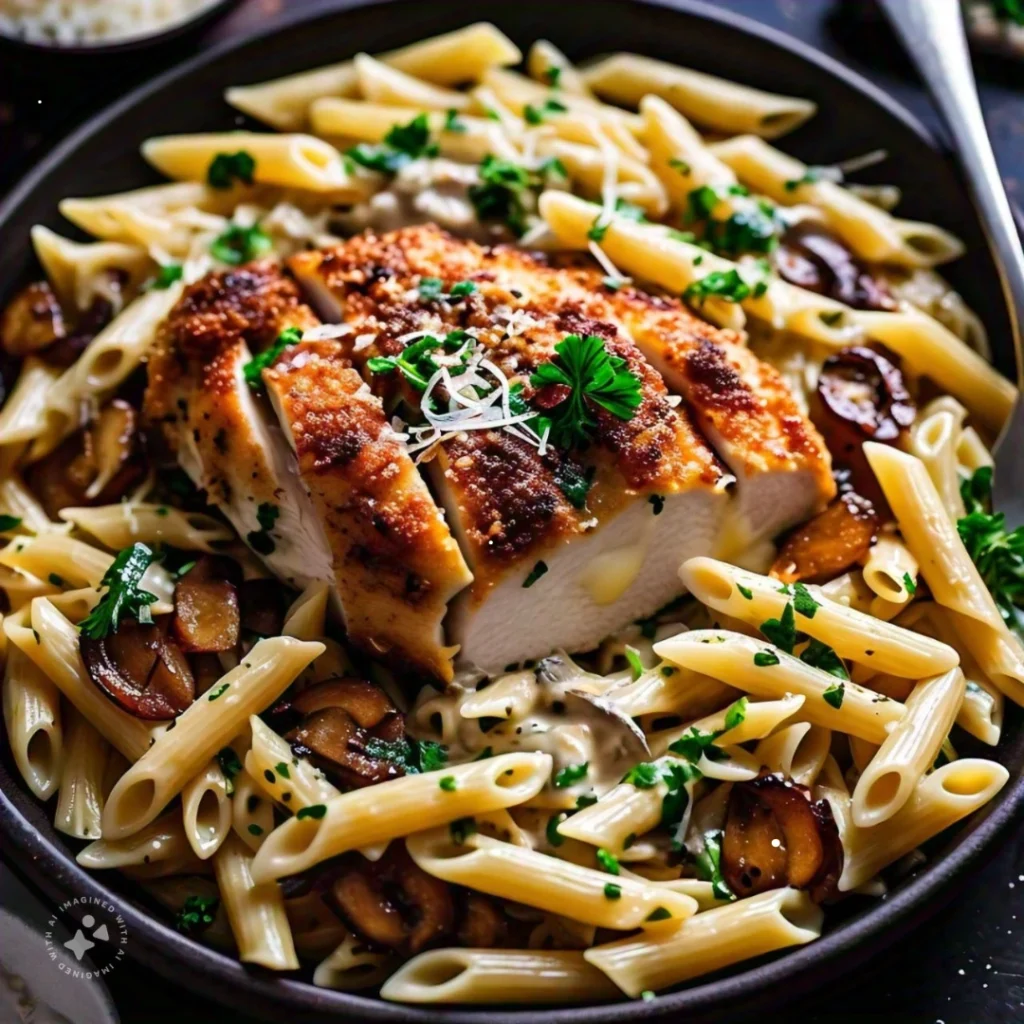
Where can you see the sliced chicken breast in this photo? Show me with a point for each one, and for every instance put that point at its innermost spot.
(743, 406)
(554, 565)
(223, 435)
(395, 561)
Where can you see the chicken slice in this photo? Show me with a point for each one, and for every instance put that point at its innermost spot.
(555, 564)
(395, 562)
(744, 407)
(214, 422)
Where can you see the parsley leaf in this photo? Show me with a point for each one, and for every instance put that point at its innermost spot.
(402, 144)
(554, 837)
(226, 167)
(571, 774)
(452, 122)
(999, 555)
(123, 597)
(535, 115)
(745, 592)
(253, 370)
(694, 743)
(504, 191)
(238, 245)
(574, 481)
(230, 766)
(592, 375)
(762, 659)
(782, 631)
(538, 570)
(719, 284)
(709, 866)
(552, 75)
(636, 666)
(809, 177)
(820, 655)
(196, 914)
(834, 695)
(735, 714)
(8, 523)
(607, 861)
(167, 275)
(314, 811)
(461, 829)
(645, 775)
(260, 540)
(1008, 10)
(803, 602)
(628, 211)
(612, 891)
(910, 583)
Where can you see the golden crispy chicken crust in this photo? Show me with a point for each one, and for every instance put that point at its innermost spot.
(507, 495)
(395, 561)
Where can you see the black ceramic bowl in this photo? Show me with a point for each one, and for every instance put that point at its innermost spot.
(854, 118)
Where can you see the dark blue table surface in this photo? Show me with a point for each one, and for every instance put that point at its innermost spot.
(965, 965)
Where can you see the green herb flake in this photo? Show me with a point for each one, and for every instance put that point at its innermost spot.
(574, 481)
(226, 168)
(819, 655)
(803, 602)
(461, 829)
(430, 288)
(571, 774)
(607, 861)
(538, 570)
(636, 666)
(402, 144)
(196, 914)
(8, 523)
(230, 766)
(255, 830)
(612, 891)
(782, 631)
(593, 376)
(452, 122)
(658, 503)
(645, 775)
(811, 176)
(736, 714)
(763, 659)
(680, 165)
(123, 598)
(282, 769)
(719, 284)
(910, 584)
(745, 592)
(554, 837)
(834, 695)
(709, 866)
(504, 192)
(168, 274)
(314, 811)
(659, 914)
(238, 245)
(552, 76)
(219, 692)
(447, 783)
(648, 996)
(57, 581)
(260, 540)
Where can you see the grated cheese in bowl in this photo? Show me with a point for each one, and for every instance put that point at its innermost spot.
(93, 22)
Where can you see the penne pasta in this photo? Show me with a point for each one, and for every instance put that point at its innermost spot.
(206, 811)
(80, 800)
(32, 715)
(120, 526)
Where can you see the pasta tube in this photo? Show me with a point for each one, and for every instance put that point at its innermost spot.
(80, 800)
(31, 707)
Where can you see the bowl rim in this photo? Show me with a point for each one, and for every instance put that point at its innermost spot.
(124, 44)
(264, 994)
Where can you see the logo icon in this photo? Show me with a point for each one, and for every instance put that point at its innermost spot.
(98, 939)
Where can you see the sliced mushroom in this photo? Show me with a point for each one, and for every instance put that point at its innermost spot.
(97, 465)
(342, 719)
(262, 606)
(618, 736)
(810, 257)
(775, 836)
(828, 544)
(206, 617)
(861, 396)
(141, 670)
(32, 320)
(393, 903)
(483, 926)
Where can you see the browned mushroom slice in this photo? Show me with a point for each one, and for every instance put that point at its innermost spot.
(67, 349)
(32, 320)
(394, 903)
(206, 617)
(262, 607)
(775, 836)
(336, 744)
(482, 925)
(366, 703)
(141, 670)
(97, 465)
(810, 257)
(861, 397)
(828, 544)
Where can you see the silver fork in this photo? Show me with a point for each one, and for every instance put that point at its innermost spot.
(933, 33)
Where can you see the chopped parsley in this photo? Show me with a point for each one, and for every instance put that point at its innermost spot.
(612, 891)
(571, 774)
(452, 122)
(253, 370)
(628, 211)
(910, 584)
(123, 599)
(695, 742)
(998, 554)
(283, 770)
(719, 284)
(413, 756)
(167, 275)
(430, 288)
(196, 914)
(416, 361)
(658, 503)
(679, 165)
(607, 861)
(677, 777)
(504, 191)
(219, 692)
(314, 811)
(255, 830)
(709, 866)
(535, 115)
(735, 714)
(57, 581)
(462, 288)
(8, 523)
(538, 570)
(447, 783)
(782, 632)
(585, 801)
(554, 837)
(225, 168)
(645, 775)
(461, 829)
(762, 659)
(810, 177)
(745, 592)
(230, 766)
(574, 482)
(402, 144)
(648, 996)
(592, 375)
(803, 602)
(820, 655)
(237, 245)
(636, 666)
(659, 914)
(260, 540)
(834, 695)
(552, 75)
